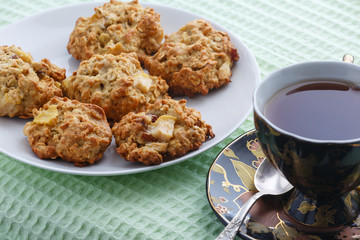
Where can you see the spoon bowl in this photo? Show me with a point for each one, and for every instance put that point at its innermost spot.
(269, 180)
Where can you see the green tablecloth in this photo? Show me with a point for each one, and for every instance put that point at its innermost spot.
(169, 203)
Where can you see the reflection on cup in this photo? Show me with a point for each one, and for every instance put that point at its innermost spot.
(306, 117)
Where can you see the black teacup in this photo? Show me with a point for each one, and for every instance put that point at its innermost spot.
(321, 160)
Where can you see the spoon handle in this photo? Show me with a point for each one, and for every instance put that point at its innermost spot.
(232, 228)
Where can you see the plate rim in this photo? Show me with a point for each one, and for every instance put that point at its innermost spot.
(202, 149)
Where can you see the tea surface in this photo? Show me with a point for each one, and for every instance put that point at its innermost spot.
(322, 110)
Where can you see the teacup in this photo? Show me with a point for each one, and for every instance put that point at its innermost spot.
(324, 171)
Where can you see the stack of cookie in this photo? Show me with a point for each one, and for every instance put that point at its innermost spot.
(72, 116)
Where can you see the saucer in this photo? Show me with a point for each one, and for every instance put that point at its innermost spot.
(230, 182)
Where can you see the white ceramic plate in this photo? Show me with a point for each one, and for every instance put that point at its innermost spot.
(46, 35)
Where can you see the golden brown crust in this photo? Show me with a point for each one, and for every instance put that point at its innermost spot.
(117, 27)
(25, 84)
(109, 82)
(136, 143)
(194, 59)
(78, 133)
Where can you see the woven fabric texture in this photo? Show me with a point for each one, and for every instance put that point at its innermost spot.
(169, 203)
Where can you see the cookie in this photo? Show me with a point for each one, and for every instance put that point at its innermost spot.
(118, 84)
(76, 132)
(194, 59)
(167, 129)
(117, 27)
(25, 84)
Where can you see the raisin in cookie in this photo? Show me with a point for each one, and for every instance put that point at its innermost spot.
(76, 132)
(118, 84)
(117, 27)
(194, 59)
(25, 84)
(167, 129)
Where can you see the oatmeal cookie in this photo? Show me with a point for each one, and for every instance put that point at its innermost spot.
(118, 84)
(76, 132)
(167, 129)
(117, 27)
(25, 84)
(194, 59)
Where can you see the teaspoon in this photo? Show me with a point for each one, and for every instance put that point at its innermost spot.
(267, 180)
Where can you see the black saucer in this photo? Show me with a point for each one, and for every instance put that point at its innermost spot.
(230, 183)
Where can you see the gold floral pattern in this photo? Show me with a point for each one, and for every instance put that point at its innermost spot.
(221, 209)
(254, 146)
(226, 183)
(246, 174)
(282, 231)
(306, 207)
(322, 213)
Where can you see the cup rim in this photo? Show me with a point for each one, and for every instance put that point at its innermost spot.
(296, 136)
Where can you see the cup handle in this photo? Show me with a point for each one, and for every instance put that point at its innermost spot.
(348, 58)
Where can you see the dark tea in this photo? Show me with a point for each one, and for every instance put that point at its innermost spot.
(322, 110)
